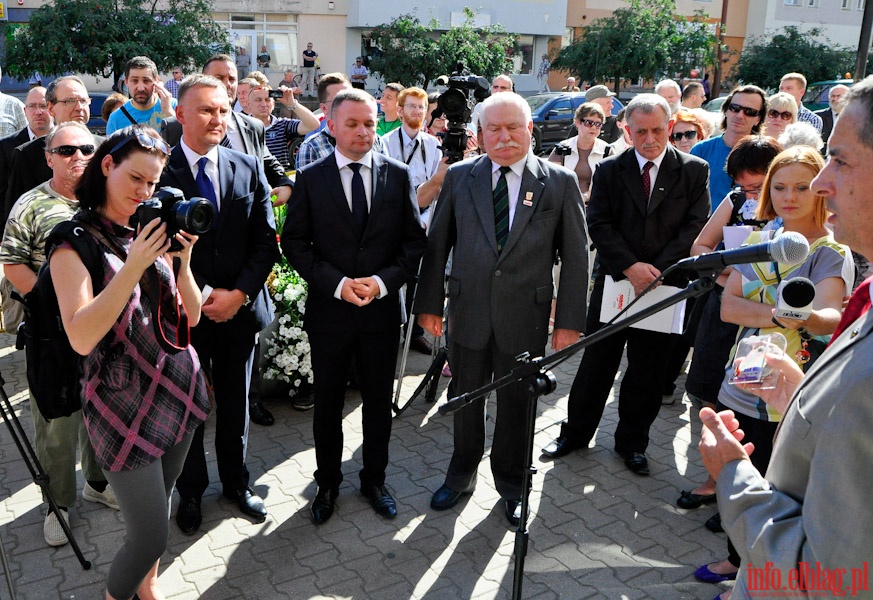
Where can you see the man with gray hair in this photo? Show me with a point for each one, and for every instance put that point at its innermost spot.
(646, 207)
(505, 215)
(807, 520)
(68, 149)
(829, 115)
(670, 91)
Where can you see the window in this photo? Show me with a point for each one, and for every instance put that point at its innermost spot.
(812, 3)
(846, 4)
(522, 59)
(792, 2)
(861, 4)
(562, 109)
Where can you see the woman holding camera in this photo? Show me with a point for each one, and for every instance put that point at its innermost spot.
(143, 393)
(751, 292)
(584, 151)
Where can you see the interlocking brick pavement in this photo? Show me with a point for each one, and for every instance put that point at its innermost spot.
(596, 530)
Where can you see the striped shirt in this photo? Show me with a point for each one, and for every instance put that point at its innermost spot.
(12, 116)
(278, 135)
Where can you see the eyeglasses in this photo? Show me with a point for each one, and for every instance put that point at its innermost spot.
(784, 115)
(35, 106)
(70, 102)
(746, 110)
(678, 136)
(751, 191)
(145, 141)
(590, 123)
(70, 150)
(177, 72)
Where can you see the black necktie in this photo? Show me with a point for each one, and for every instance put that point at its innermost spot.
(204, 183)
(359, 198)
(501, 209)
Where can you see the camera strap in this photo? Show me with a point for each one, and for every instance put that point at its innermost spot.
(411, 154)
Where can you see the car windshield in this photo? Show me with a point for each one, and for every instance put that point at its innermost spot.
(537, 101)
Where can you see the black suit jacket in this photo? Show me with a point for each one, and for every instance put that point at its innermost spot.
(321, 243)
(827, 123)
(626, 230)
(7, 145)
(240, 251)
(252, 132)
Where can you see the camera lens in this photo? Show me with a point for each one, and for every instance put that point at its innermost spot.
(195, 216)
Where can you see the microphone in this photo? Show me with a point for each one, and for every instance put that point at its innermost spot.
(790, 248)
(794, 298)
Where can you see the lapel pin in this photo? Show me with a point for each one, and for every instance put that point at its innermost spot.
(528, 199)
(856, 331)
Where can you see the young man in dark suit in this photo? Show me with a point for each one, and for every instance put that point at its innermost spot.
(647, 205)
(506, 216)
(232, 264)
(353, 233)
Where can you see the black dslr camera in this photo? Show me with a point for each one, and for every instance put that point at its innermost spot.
(196, 215)
(457, 103)
(563, 150)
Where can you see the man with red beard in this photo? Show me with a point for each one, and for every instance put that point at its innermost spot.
(419, 151)
(150, 102)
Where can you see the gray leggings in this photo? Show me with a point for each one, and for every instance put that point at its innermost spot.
(144, 496)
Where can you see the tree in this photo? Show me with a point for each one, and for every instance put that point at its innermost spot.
(97, 37)
(763, 61)
(645, 39)
(414, 53)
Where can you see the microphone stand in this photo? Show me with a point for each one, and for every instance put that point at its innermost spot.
(539, 381)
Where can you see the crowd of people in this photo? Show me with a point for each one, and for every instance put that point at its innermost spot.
(506, 236)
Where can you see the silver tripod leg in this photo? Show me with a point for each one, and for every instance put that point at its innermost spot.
(403, 356)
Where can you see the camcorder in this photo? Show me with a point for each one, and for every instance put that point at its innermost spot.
(563, 149)
(196, 215)
(456, 104)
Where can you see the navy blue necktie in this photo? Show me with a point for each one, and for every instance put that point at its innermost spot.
(359, 198)
(501, 209)
(204, 184)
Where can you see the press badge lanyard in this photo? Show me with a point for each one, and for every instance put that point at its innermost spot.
(411, 154)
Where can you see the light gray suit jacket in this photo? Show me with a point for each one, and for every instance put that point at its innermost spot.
(507, 295)
(815, 503)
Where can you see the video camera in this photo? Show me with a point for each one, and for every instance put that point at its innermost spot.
(456, 104)
(196, 215)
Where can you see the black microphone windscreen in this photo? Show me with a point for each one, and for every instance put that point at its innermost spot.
(799, 291)
(790, 248)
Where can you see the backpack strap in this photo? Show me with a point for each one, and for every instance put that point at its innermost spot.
(74, 233)
(127, 114)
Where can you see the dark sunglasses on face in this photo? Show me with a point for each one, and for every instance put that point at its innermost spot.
(784, 115)
(678, 136)
(590, 123)
(748, 111)
(70, 150)
(145, 141)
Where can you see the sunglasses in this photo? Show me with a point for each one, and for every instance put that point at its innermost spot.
(749, 112)
(70, 150)
(784, 115)
(678, 136)
(145, 141)
(590, 123)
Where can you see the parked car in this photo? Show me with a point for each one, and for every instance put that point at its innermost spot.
(715, 104)
(553, 117)
(96, 123)
(816, 96)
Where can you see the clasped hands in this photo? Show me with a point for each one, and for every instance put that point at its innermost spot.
(360, 291)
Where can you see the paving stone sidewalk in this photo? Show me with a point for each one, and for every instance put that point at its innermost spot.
(596, 530)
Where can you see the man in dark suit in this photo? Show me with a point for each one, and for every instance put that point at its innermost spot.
(647, 205)
(246, 135)
(829, 115)
(67, 100)
(505, 216)
(39, 123)
(231, 265)
(354, 234)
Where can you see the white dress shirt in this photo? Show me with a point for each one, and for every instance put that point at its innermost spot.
(211, 171)
(421, 153)
(346, 174)
(653, 171)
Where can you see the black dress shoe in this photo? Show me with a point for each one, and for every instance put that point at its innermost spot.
(713, 523)
(323, 505)
(421, 344)
(260, 415)
(513, 511)
(380, 500)
(445, 497)
(562, 446)
(637, 463)
(249, 503)
(690, 500)
(188, 517)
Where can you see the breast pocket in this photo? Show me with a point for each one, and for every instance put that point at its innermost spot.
(544, 215)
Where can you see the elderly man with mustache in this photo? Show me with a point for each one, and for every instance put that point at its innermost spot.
(505, 215)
